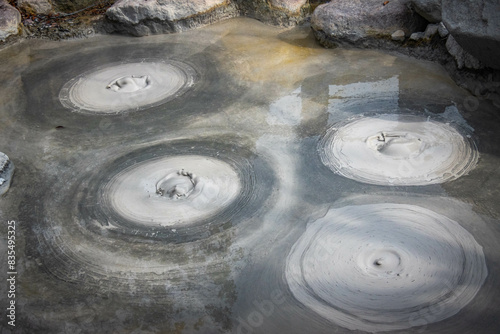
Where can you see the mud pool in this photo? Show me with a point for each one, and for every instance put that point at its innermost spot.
(240, 178)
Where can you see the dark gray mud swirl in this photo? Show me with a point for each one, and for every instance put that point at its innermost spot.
(253, 177)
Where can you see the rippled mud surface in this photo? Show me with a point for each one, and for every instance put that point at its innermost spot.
(241, 179)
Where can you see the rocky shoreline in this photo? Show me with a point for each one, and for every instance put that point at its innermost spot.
(464, 37)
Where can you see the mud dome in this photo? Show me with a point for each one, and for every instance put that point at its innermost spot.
(127, 86)
(159, 193)
(382, 267)
(398, 150)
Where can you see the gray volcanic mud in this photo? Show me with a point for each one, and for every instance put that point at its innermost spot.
(115, 88)
(392, 149)
(180, 215)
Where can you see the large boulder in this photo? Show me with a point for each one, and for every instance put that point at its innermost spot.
(462, 58)
(36, 6)
(475, 25)
(360, 21)
(9, 20)
(143, 17)
(428, 9)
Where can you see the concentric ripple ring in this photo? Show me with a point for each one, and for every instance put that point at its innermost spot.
(382, 267)
(392, 149)
(120, 87)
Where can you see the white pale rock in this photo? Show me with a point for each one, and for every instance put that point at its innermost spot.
(10, 19)
(417, 36)
(398, 35)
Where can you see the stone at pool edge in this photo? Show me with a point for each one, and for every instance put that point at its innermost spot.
(6, 172)
(398, 35)
(140, 17)
(10, 19)
(476, 28)
(356, 21)
(428, 9)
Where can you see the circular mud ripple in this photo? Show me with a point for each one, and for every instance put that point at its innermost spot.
(382, 267)
(121, 87)
(392, 149)
(179, 192)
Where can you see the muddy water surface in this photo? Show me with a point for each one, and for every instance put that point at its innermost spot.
(236, 154)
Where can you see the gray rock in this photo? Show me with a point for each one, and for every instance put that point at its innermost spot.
(398, 35)
(284, 13)
(142, 17)
(289, 5)
(428, 9)
(475, 25)
(355, 21)
(431, 30)
(417, 36)
(443, 32)
(462, 58)
(6, 172)
(36, 6)
(9, 20)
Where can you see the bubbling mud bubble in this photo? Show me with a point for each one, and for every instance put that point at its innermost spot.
(395, 149)
(382, 267)
(177, 185)
(156, 193)
(121, 87)
(130, 83)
